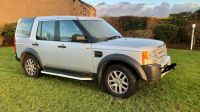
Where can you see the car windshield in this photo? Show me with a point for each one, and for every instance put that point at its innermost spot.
(100, 29)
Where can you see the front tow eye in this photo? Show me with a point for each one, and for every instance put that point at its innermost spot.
(168, 67)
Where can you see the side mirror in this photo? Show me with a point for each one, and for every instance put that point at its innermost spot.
(79, 38)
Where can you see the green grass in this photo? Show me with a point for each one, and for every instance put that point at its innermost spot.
(177, 91)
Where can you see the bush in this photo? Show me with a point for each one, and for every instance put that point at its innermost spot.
(133, 23)
(140, 33)
(197, 13)
(179, 22)
(166, 32)
(184, 34)
(8, 33)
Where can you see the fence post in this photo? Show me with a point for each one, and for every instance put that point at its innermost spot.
(192, 39)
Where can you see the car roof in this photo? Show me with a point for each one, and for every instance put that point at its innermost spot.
(64, 18)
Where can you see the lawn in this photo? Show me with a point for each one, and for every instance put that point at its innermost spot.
(177, 91)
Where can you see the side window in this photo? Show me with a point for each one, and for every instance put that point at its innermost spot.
(46, 30)
(24, 28)
(67, 29)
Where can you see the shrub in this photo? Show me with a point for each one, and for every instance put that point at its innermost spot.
(166, 32)
(8, 32)
(184, 34)
(140, 33)
(133, 23)
(197, 13)
(179, 22)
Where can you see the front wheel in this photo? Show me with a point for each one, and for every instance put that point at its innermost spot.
(119, 81)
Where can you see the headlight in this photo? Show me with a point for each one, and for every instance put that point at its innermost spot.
(149, 57)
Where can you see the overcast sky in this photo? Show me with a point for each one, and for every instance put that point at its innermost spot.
(156, 8)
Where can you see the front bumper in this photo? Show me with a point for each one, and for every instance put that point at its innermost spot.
(157, 71)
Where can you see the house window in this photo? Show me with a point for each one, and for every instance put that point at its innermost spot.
(84, 11)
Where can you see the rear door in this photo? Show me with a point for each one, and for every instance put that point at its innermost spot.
(46, 44)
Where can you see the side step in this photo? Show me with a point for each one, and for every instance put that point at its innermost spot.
(69, 75)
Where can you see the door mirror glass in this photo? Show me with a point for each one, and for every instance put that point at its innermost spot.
(79, 38)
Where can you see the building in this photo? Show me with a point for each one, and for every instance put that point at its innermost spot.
(12, 10)
(83, 9)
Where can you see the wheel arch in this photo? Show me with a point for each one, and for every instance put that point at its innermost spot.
(120, 59)
(32, 52)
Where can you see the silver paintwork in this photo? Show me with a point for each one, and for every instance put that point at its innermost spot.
(129, 44)
(80, 56)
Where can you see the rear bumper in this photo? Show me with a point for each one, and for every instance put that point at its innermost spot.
(157, 71)
(18, 59)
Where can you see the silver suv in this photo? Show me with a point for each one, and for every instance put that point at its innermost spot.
(88, 48)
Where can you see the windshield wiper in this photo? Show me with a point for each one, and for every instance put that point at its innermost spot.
(113, 37)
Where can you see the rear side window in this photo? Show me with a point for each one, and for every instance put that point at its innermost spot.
(24, 28)
(46, 30)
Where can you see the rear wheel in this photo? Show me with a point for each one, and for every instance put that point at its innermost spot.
(31, 66)
(119, 81)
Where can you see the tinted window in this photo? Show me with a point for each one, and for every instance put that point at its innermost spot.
(46, 30)
(68, 29)
(24, 28)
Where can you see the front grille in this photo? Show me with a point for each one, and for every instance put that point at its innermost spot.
(161, 52)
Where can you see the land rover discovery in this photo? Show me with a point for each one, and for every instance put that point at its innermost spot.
(88, 48)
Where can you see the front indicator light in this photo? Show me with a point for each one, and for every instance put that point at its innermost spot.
(144, 57)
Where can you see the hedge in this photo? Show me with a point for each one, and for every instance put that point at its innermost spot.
(166, 32)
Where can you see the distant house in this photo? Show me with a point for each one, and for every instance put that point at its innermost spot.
(12, 10)
(85, 9)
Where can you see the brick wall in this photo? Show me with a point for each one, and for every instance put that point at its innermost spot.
(12, 10)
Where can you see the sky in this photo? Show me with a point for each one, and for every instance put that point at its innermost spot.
(155, 8)
(148, 2)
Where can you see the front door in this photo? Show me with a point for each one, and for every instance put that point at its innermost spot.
(75, 56)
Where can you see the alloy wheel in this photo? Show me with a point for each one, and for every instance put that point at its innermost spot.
(30, 67)
(118, 82)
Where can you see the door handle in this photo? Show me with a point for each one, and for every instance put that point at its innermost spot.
(62, 46)
(35, 44)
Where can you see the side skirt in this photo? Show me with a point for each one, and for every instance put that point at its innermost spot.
(69, 74)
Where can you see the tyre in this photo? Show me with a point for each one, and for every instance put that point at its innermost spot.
(119, 81)
(31, 66)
